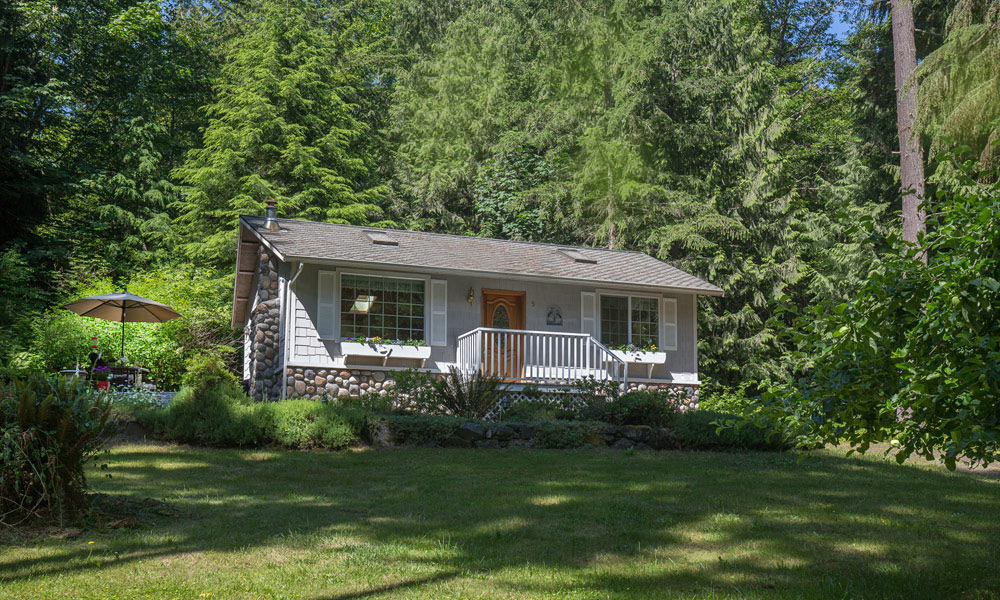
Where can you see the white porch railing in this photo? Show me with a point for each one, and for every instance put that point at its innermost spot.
(541, 357)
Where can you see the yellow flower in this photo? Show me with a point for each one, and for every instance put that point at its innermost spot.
(90, 542)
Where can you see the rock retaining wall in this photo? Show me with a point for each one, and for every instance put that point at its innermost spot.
(473, 434)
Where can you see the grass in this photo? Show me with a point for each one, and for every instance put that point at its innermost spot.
(430, 523)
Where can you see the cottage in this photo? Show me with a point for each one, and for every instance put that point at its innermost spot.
(335, 310)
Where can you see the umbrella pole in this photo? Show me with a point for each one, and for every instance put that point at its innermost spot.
(122, 357)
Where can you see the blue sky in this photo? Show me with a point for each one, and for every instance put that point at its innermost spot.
(840, 27)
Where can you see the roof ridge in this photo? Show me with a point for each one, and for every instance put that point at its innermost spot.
(456, 235)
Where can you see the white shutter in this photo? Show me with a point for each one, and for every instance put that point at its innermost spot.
(326, 304)
(439, 313)
(588, 313)
(669, 335)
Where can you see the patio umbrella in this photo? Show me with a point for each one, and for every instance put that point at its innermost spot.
(124, 307)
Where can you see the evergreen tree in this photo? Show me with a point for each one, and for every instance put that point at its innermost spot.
(960, 86)
(280, 128)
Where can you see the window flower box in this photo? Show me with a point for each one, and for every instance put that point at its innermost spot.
(385, 351)
(642, 357)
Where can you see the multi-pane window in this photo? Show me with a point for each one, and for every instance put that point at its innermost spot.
(389, 308)
(614, 320)
(630, 319)
(645, 321)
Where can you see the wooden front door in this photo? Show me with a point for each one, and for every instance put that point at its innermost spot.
(502, 350)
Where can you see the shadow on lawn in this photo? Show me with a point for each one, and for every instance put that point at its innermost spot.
(826, 526)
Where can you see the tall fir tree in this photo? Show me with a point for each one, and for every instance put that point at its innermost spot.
(960, 88)
(280, 128)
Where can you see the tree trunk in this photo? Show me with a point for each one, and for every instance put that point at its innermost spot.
(911, 160)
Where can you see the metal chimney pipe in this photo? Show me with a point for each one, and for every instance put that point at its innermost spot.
(272, 214)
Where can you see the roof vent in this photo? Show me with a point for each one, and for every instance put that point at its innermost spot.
(578, 256)
(381, 238)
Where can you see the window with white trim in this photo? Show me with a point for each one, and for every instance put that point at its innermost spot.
(630, 319)
(386, 307)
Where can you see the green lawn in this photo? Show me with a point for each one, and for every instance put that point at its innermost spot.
(524, 524)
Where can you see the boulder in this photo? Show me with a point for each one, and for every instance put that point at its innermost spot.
(457, 441)
(471, 431)
(300, 387)
(378, 376)
(637, 433)
(354, 390)
(320, 381)
(383, 437)
(343, 393)
(623, 444)
(503, 433)
(487, 444)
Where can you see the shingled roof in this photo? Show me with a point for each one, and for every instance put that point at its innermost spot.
(417, 250)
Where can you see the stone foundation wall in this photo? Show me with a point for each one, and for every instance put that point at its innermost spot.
(263, 333)
(318, 384)
(683, 395)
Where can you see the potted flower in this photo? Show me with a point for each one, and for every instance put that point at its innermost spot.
(101, 375)
(385, 349)
(645, 355)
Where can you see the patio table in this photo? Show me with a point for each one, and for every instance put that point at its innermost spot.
(127, 375)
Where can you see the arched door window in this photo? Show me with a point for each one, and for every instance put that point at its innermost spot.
(501, 318)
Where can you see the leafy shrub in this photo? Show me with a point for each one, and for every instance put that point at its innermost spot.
(559, 434)
(594, 391)
(700, 430)
(306, 424)
(208, 415)
(212, 409)
(414, 389)
(207, 371)
(634, 408)
(422, 429)
(726, 399)
(526, 411)
(456, 394)
(912, 359)
(51, 428)
(24, 365)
